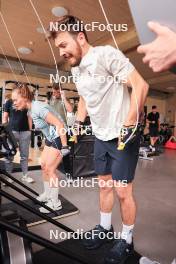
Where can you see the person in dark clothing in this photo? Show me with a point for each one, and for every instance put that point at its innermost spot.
(153, 125)
(20, 124)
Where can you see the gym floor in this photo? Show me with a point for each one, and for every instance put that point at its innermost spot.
(155, 230)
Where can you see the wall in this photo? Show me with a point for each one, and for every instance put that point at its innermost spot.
(8, 76)
(171, 111)
(44, 82)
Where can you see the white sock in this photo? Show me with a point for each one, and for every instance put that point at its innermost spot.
(127, 233)
(54, 194)
(105, 220)
(46, 186)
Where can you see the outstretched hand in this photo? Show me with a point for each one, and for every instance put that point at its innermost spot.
(161, 53)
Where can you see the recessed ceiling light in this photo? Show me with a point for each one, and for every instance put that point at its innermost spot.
(24, 50)
(59, 11)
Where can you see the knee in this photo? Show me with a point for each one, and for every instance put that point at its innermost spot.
(122, 193)
(105, 186)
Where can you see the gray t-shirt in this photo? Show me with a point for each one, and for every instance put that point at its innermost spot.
(100, 80)
(58, 107)
(38, 112)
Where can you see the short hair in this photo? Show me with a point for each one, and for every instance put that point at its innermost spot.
(154, 107)
(56, 87)
(67, 23)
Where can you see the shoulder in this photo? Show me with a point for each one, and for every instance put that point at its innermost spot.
(107, 49)
(38, 106)
(9, 103)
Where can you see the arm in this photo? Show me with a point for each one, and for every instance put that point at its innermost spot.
(53, 120)
(160, 54)
(139, 93)
(67, 104)
(30, 122)
(159, 122)
(6, 113)
(5, 118)
(82, 112)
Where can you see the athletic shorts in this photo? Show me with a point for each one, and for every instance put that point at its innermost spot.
(154, 132)
(120, 163)
(56, 143)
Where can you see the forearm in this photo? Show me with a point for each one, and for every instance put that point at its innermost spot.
(5, 118)
(82, 112)
(68, 106)
(62, 133)
(138, 97)
(30, 123)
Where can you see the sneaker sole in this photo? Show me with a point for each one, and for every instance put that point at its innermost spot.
(48, 212)
(98, 246)
(27, 181)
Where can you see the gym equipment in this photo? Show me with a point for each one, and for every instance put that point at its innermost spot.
(14, 247)
(171, 143)
(5, 142)
(20, 252)
(8, 143)
(80, 161)
(32, 219)
(70, 251)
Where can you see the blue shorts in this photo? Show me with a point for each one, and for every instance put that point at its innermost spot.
(56, 143)
(120, 163)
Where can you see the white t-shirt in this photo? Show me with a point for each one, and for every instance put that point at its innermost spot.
(100, 81)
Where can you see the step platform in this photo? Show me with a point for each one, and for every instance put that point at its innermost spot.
(74, 245)
(68, 209)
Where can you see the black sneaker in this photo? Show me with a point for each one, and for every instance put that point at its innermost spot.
(98, 236)
(119, 252)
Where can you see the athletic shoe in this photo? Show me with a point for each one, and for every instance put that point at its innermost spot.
(145, 260)
(43, 198)
(152, 148)
(27, 179)
(98, 236)
(53, 205)
(119, 253)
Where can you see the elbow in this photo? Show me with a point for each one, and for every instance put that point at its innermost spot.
(145, 88)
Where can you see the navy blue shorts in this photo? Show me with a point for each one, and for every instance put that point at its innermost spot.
(56, 143)
(154, 132)
(120, 163)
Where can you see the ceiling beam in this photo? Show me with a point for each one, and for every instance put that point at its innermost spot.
(125, 40)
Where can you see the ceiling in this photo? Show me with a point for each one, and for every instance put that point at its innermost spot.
(22, 22)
